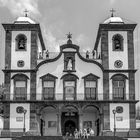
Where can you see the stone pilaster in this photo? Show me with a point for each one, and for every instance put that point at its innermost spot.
(59, 133)
(106, 116)
(6, 116)
(104, 49)
(8, 42)
(106, 86)
(130, 43)
(132, 112)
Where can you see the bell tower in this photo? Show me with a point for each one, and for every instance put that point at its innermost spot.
(115, 40)
(23, 42)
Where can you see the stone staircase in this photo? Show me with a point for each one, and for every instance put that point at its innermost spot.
(66, 138)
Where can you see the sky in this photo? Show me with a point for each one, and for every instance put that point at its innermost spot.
(79, 17)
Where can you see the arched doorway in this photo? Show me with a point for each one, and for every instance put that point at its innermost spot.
(70, 127)
(91, 118)
(48, 121)
(69, 120)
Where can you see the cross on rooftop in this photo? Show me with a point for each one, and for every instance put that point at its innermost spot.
(112, 12)
(69, 35)
(26, 11)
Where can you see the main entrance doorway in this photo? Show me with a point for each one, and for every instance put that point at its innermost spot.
(69, 121)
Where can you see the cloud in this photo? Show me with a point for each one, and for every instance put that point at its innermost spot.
(84, 42)
(17, 7)
(112, 2)
(51, 42)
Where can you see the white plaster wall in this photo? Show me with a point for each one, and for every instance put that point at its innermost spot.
(13, 115)
(125, 123)
(111, 86)
(12, 86)
(20, 55)
(118, 55)
(1, 122)
(50, 116)
(91, 115)
(82, 68)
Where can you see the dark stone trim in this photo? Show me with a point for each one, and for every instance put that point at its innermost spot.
(112, 27)
(69, 75)
(65, 46)
(26, 27)
(92, 75)
(8, 40)
(69, 71)
(104, 49)
(33, 49)
(131, 77)
(132, 112)
(18, 70)
(122, 75)
(90, 61)
(32, 116)
(74, 101)
(106, 116)
(48, 75)
(120, 27)
(106, 86)
(120, 70)
(6, 125)
(7, 82)
(20, 75)
(77, 51)
(33, 86)
(48, 61)
(130, 49)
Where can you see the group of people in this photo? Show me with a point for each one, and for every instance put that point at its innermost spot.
(85, 133)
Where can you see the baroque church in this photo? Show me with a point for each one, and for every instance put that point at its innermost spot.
(51, 94)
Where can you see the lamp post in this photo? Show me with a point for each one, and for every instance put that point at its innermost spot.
(24, 112)
(114, 112)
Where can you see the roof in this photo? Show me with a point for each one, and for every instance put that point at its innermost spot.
(24, 20)
(113, 20)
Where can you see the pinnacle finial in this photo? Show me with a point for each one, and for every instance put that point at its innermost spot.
(69, 35)
(26, 11)
(112, 12)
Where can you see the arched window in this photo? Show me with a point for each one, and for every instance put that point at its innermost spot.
(21, 42)
(48, 86)
(117, 42)
(69, 82)
(91, 84)
(119, 86)
(20, 86)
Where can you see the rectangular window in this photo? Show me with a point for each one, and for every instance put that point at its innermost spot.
(20, 90)
(48, 90)
(69, 87)
(118, 89)
(90, 90)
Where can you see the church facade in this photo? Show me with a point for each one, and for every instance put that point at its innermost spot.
(55, 93)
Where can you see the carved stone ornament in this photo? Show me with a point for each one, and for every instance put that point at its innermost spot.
(118, 63)
(19, 109)
(119, 109)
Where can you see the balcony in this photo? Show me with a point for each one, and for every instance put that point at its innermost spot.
(100, 97)
(52, 55)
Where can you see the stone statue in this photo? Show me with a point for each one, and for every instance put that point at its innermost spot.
(69, 66)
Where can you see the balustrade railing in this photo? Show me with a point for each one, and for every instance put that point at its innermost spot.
(51, 55)
(66, 97)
